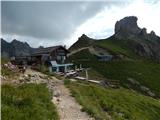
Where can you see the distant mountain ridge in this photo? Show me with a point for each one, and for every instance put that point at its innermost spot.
(15, 48)
(127, 33)
(130, 35)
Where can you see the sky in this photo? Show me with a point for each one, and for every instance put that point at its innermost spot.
(42, 23)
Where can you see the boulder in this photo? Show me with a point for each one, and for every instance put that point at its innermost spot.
(151, 94)
(57, 93)
(145, 89)
(133, 81)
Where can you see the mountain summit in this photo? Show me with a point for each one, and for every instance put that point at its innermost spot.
(128, 28)
(83, 41)
(142, 43)
(127, 24)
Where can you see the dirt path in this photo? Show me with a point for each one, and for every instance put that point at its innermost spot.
(67, 107)
(78, 50)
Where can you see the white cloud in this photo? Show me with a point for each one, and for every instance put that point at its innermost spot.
(102, 25)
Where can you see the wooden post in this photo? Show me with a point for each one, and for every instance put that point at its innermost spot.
(65, 68)
(80, 66)
(57, 70)
(50, 69)
(75, 67)
(86, 74)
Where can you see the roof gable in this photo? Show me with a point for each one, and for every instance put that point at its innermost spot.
(47, 50)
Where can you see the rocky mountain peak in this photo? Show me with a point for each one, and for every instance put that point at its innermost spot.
(128, 28)
(16, 42)
(83, 37)
(127, 24)
(83, 41)
(143, 33)
(144, 44)
(15, 48)
(152, 33)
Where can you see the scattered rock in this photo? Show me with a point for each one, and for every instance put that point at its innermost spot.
(133, 81)
(57, 93)
(2, 77)
(145, 89)
(15, 82)
(151, 94)
(25, 75)
(120, 114)
(58, 100)
(148, 91)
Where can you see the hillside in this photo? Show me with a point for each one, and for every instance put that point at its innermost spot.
(135, 66)
(138, 53)
(114, 104)
(128, 40)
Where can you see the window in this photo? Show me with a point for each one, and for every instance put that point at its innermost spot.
(58, 57)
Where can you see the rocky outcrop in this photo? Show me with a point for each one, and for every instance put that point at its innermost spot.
(128, 24)
(142, 43)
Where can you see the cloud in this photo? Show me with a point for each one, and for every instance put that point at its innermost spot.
(52, 23)
(102, 25)
(46, 20)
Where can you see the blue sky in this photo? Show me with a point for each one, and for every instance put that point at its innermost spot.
(53, 23)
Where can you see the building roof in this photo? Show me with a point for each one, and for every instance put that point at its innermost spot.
(47, 50)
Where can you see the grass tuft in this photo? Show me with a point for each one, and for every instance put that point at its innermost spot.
(119, 104)
(27, 102)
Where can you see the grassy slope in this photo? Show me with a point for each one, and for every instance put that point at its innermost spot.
(146, 72)
(27, 102)
(118, 46)
(120, 103)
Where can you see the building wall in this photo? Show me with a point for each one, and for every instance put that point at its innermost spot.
(59, 55)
